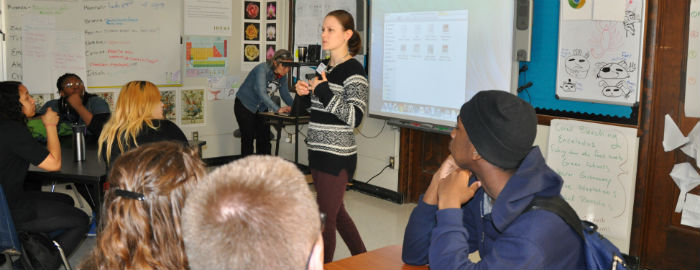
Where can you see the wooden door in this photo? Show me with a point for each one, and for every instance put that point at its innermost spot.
(421, 155)
(657, 235)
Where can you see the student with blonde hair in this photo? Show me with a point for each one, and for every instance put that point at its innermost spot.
(254, 213)
(137, 119)
(140, 227)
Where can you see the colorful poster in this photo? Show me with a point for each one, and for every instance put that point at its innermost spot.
(271, 10)
(270, 52)
(169, 99)
(252, 10)
(222, 88)
(271, 32)
(192, 108)
(109, 98)
(251, 31)
(206, 56)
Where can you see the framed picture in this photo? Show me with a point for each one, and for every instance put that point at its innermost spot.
(271, 32)
(251, 31)
(251, 53)
(251, 10)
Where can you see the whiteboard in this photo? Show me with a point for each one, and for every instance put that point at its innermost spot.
(600, 61)
(125, 40)
(692, 79)
(599, 166)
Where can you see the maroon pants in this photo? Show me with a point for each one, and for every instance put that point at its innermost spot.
(330, 190)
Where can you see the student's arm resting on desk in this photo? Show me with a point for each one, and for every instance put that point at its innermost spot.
(351, 105)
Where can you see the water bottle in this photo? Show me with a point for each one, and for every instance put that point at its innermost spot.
(79, 142)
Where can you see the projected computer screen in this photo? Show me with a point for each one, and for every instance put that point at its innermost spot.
(428, 57)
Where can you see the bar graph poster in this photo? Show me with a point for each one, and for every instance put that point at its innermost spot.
(205, 56)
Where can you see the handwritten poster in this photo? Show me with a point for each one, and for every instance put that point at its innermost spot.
(124, 40)
(692, 80)
(598, 164)
(599, 61)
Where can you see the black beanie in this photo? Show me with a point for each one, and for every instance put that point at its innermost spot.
(501, 126)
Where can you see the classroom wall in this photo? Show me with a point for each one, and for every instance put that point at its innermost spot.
(373, 153)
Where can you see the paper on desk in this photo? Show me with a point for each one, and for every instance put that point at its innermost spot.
(686, 178)
(691, 211)
(582, 11)
(673, 138)
(692, 149)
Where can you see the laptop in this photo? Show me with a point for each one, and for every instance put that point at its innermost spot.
(300, 106)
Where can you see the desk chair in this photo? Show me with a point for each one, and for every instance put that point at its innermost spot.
(9, 241)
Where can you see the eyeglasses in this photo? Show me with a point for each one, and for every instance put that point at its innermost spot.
(69, 85)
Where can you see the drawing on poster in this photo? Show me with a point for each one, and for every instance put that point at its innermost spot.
(251, 53)
(109, 98)
(39, 100)
(271, 10)
(168, 97)
(271, 32)
(251, 31)
(270, 52)
(599, 60)
(252, 10)
(192, 106)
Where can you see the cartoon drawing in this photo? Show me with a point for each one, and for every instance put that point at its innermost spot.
(606, 38)
(630, 19)
(619, 70)
(577, 64)
(568, 86)
(615, 90)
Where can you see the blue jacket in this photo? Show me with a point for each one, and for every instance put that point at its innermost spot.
(253, 92)
(505, 236)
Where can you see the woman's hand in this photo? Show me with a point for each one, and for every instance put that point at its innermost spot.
(316, 81)
(302, 88)
(50, 118)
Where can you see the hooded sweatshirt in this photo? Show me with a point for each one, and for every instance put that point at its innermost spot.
(505, 235)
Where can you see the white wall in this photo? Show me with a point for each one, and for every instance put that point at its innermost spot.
(373, 153)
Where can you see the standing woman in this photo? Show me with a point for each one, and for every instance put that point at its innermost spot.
(254, 96)
(338, 103)
(137, 119)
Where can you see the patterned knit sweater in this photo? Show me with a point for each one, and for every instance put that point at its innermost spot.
(337, 108)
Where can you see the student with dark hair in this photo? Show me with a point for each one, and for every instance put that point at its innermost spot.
(338, 103)
(254, 96)
(478, 199)
(78, 106)
(34, 211)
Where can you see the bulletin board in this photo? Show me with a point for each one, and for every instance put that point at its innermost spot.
(124, 40)
(541, 71)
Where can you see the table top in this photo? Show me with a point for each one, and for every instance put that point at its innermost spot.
(87, 171)
(388, 257)
(275, 116)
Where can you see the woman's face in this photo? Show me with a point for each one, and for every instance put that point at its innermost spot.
(333, 35)
(157, 112)
(28, 105)
(281, 69)
(72, 85)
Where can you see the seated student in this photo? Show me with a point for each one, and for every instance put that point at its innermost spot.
(253, 213)
(492, 148)
(34, 211)
(78, 106)
(137, 119)
(140, 226)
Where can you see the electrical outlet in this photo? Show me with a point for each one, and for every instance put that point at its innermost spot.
(391, 162)
(195, 135)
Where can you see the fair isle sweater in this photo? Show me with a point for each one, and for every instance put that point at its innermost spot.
(337, 108)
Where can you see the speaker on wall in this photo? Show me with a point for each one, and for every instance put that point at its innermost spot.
(523, 30)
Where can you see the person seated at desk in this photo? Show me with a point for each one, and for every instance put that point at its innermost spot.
(140, 227)
(34, 211)
(253, 213)
(137, 119)
(78, 106)
(492, 148)
(254, 96)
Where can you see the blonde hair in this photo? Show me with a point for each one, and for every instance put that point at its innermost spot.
(146, 233)
(134, 107)
(254, 213)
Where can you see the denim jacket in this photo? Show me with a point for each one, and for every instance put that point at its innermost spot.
(253, 92)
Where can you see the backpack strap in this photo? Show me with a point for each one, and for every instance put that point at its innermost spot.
(559, 206)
